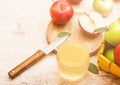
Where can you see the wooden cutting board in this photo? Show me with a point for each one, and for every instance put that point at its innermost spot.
(92, 43)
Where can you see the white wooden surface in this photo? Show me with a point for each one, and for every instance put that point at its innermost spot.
(23, 25)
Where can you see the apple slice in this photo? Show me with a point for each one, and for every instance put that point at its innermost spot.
(89, 22)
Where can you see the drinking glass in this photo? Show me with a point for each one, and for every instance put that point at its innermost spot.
(73, 60)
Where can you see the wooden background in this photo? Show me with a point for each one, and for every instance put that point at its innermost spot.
(23, 26)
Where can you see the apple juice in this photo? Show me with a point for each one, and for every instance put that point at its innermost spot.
(73, 60)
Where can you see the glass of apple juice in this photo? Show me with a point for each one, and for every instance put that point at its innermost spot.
(73, 60)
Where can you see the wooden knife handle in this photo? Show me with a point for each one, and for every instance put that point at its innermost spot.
(26, 64)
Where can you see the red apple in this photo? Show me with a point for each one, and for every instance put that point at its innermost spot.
(89, 22)
(116, 1)
(117, 54)
(75, 1)
(61, 12)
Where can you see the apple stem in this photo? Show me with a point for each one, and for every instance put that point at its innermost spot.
(62, 6)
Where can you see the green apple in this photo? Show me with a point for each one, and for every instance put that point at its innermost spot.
(109, 54)
(88, 22)
(113, 35)
(115, 24)
(104, 7)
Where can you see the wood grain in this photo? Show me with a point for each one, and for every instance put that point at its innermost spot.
(23, 26)
(92, 43)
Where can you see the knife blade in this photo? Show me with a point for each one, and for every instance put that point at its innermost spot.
(35, 57)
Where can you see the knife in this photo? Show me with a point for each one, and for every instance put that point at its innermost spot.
(35, 57)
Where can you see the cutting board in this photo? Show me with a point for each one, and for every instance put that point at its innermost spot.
(92, 43)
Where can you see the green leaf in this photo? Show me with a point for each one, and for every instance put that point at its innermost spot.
(93, 68)
(62, 34)
(101, 29)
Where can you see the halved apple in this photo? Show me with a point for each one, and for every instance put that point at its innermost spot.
(90, 21)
